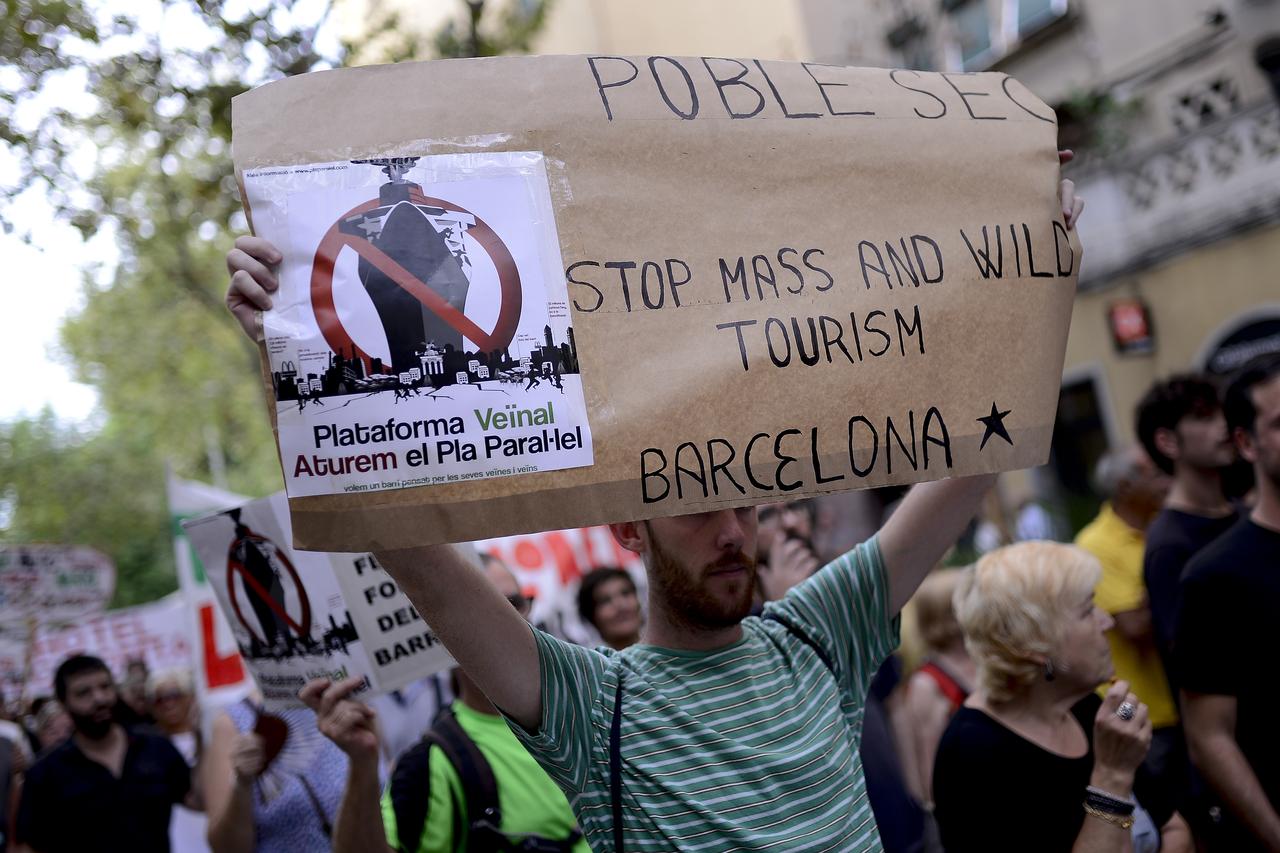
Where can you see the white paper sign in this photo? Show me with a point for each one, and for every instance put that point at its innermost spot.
(421, 332)
(220, 675)
(299, 615)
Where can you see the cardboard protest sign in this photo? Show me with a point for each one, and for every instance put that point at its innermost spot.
(782, 279)
(155, 632)
(298, 616)
(53, 584)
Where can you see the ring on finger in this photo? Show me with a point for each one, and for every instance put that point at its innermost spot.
(1126, 711)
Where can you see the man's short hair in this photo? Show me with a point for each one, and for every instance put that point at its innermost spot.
(1166, 403)
(587, 589)
(1238, 405)
(73, 666)
(1114, 468)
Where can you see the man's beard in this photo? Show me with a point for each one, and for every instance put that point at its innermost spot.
(90, 726)
(686, 596)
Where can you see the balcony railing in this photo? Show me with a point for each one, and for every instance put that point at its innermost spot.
(1152, 203)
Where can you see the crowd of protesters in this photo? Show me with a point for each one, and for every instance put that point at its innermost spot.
(1090, 696)
(1110, 695)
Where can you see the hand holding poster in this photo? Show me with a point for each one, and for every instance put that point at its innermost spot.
(579, 290)
(298, 616)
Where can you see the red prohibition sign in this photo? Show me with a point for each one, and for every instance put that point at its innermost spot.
(335, 334)
(234, 567)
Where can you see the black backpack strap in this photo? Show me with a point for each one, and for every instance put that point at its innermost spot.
(478, 818)
(411, 785)
(615, 765)
(800, 634)
(479, 788)
(411, 794)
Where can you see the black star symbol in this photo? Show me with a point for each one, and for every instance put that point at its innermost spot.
(994, 423)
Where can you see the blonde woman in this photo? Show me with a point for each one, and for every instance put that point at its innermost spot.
(1035, 760)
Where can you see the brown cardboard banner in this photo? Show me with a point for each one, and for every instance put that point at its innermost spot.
(785, 279)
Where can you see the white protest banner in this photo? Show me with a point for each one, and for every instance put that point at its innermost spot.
(301, 615)
(155, 632)
(53, 584)
(220, 674)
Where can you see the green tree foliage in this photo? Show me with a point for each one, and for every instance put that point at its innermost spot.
(103, 489)
(177, 381)
(508, 27)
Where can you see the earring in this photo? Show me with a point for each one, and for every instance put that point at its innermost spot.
(1048, 670)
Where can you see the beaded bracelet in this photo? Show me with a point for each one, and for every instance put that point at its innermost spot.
(1108, 802)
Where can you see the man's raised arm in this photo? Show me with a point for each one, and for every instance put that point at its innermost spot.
(924, 526)
(488, 637)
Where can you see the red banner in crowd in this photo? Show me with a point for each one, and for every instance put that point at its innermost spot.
(549, 566)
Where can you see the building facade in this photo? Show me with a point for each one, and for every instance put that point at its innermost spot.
(1173, 107)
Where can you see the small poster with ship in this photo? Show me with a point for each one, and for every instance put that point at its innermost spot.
(421, 333)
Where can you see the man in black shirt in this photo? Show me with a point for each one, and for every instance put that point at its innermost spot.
(105, 788)
(1225, 632)
(1182, 427)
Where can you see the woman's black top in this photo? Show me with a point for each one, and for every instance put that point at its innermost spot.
(996, 791)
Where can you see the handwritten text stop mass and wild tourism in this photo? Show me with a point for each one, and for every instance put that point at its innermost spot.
(904, 264)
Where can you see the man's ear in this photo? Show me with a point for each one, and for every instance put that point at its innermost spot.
(1244, 444)
(1167, 442)
(628, 534)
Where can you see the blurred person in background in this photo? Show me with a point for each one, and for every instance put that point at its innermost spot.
(15, 758)
(843, 519)
(942, 683)
(171, 701)
(1135, 491)
(1225, 632)
(106, 788)
(52, 724)
(1181, 426)
(608, 602)
(1036, 760)
(272, 783)
(785, 553)
(132, 708)
(468, 785)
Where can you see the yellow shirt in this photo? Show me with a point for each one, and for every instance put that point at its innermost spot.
(1118, 548)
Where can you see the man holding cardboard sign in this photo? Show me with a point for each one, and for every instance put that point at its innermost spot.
(721, 731)
(774, 268)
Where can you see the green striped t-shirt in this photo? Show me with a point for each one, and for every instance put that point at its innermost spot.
(749, 747)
